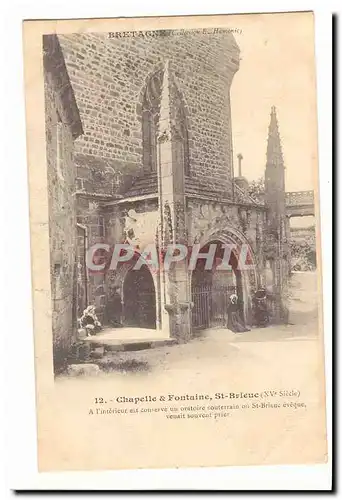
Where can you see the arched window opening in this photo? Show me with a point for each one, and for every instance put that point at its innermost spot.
(150, 121)
(150, 125)
(181, 135)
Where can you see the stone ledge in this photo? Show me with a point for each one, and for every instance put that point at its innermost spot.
(115, 345)
(76, 370)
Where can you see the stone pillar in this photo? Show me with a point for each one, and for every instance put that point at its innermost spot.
(179, 307)
(276, 225)
(288, 240)
(174, 287)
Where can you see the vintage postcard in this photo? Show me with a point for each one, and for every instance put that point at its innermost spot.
(175, 238)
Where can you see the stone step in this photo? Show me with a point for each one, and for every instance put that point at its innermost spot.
(115, 345)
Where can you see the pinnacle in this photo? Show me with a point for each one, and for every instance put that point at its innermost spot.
(273, 122)
(274, 151)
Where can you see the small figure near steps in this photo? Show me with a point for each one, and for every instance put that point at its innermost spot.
(89, 321)
(235, 322)
(261, 313)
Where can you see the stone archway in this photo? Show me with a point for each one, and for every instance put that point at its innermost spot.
(246, 280)
(212, 288)
(139, 299)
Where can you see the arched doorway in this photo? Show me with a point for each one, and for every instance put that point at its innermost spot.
(139, 299)
(212, 288)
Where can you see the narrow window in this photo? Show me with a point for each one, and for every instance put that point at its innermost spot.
(150, 120)
(150, 125)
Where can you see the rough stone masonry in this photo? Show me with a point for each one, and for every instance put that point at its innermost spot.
(109, 77)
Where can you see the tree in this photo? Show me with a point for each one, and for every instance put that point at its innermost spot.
(256, 189)
(303, 256)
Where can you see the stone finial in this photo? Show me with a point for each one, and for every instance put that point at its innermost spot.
(164, 132)
(274, 149)
(240, 158)
(167, 68)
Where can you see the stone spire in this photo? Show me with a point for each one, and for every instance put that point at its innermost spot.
(274, 173)
(274, 150)
(276, 249)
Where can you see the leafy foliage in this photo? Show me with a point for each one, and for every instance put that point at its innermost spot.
(256, 189)
(303, 256)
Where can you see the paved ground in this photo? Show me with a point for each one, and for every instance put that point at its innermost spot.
(218, 345)
(274, 358)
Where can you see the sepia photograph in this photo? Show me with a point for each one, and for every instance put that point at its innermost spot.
(141, 169)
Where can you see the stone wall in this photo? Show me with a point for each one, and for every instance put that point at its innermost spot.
(107, 223)
(139, 230)
(61, 185)
(90, 217)
(208, 217)
(109, 77)
(62, 125)
(209, 221)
